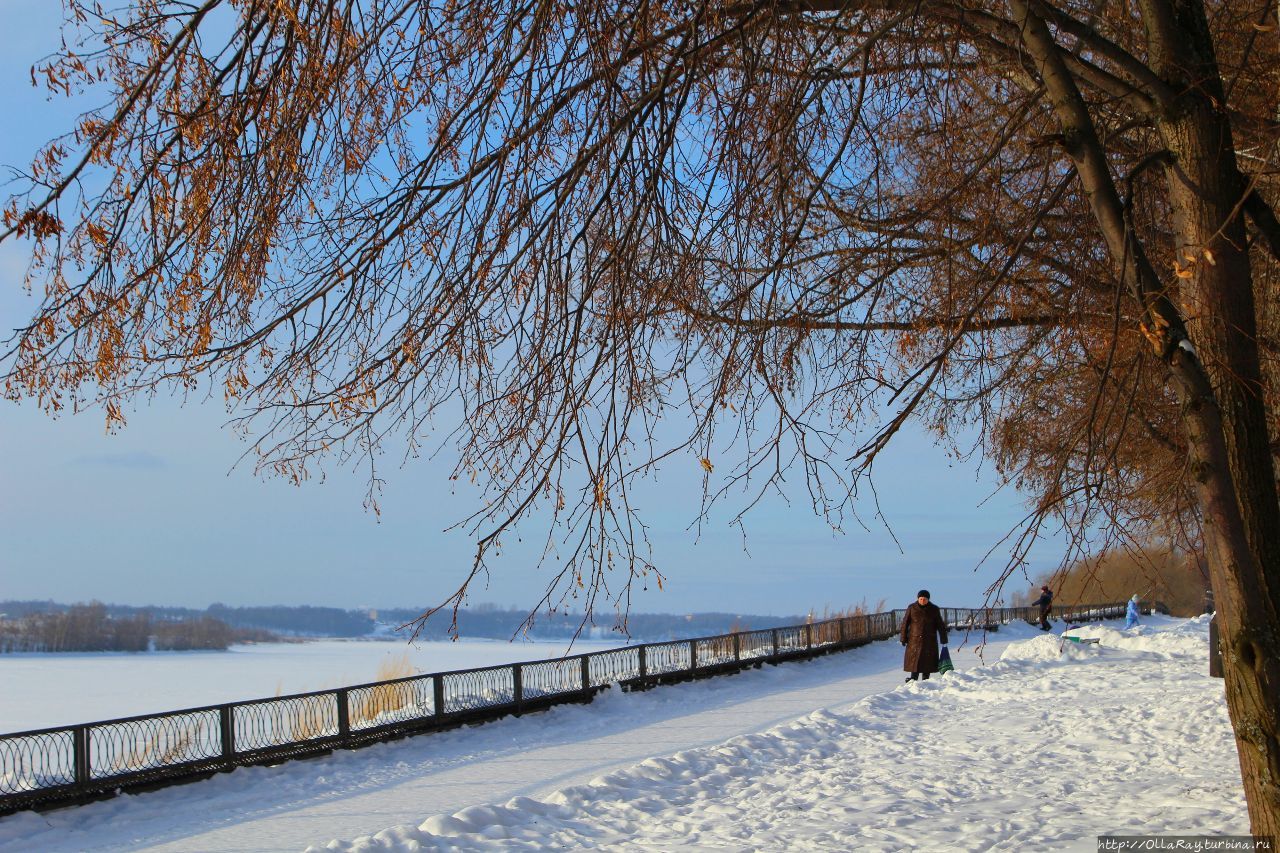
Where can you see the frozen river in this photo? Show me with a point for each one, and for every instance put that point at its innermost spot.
(42, 690)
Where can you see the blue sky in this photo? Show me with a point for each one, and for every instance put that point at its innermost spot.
(157, 513)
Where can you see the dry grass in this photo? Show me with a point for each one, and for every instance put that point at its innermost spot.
(151, 753)
(302, 719)
(305, 719)
(721, 647)
(1154, 573)
(308, 719)
(385, 698)
(854, 625)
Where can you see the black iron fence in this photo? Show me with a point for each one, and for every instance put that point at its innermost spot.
(72, 764)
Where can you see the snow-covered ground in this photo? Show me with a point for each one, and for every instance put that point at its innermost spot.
(42, 690)
(1038, 749)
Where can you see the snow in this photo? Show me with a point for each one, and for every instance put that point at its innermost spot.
(1038, 748)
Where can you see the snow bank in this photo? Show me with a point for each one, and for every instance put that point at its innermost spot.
(1045, 748)
(1159, 636)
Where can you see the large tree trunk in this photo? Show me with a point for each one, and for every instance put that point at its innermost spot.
(1233, 472)
(1227, 420)
(1243, 586)
(1213, 359)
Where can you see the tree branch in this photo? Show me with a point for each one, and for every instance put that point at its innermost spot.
(1264, 219)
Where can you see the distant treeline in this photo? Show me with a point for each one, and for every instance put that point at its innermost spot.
(484, 621)
(299, 621)
(92, 628)
(488, 621)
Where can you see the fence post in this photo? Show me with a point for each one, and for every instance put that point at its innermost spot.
(586, 676)
(517, 685)
(775, 643)
(1215, 649)
(227, 723)
(438, 694)
(640, 654)
(344, 715)
(840, 631)
(808, 636)
(693, 655)
(80, 748)
(737, 647)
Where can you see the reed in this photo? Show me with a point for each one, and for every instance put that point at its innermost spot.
(310, 718)
(158, 750)
(385, 698)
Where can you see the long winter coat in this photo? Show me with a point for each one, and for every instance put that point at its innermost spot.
(922, 628)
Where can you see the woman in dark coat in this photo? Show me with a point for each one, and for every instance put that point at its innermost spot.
(1045, 603)
(922, 628)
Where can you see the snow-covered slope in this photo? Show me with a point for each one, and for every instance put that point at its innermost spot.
(1052, 746)
(1038, 747)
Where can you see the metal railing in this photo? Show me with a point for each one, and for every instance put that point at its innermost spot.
(70, 764)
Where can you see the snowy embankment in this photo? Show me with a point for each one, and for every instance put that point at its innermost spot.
(1037, 747)
(1052, 746)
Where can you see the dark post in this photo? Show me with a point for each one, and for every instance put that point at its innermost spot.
(1215, 649)
(840, 631)
(808, 636)
(80, 747)
(438, 694)
(344, 714)
(517, 685)
(227, 723)
(693, 655)
(640, 654)
(737, 647)
(586, 676)
(775, 643)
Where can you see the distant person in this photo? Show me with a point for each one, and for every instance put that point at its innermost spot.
(1131, 612)
(922, 628)
(1045, 603)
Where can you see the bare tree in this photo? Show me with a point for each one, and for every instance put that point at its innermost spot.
(798, 224)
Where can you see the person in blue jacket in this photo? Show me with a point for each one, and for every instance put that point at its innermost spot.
(1131, 612)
